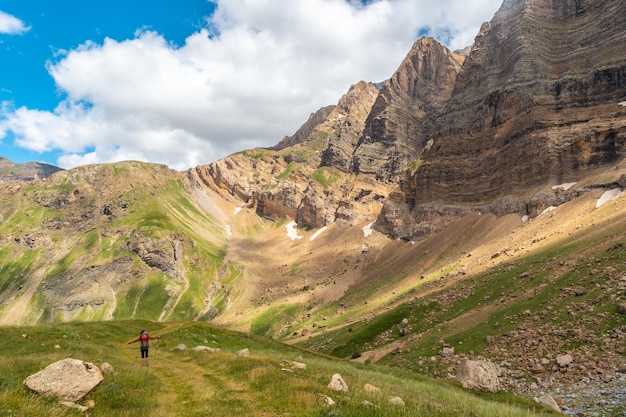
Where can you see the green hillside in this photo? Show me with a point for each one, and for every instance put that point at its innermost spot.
(190, 383)
(106, 242)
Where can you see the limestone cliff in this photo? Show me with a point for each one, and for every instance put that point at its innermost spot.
(535, 104)
(306, 129)
(307, 181)
(401, 121)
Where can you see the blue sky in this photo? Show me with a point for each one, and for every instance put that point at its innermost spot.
(188, 82)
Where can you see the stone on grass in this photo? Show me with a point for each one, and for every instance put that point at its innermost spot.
(205, 349)
(107, 369)
(244, 352)
(337, 383)
(370, 388)
(68, 380)
(396, 401)
(548, 401)
(479, 375)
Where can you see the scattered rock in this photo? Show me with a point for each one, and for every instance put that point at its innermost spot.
(621, 308)
(370, 388)
(447, 351)
(244, 352)
(367, 404)
(548, 401)
(70, 404)
(396, 401)
(564, 360)
(479, 375)
(182, 346)
(295, 365)
(337, 383)
(68, 380)
(329, 401)
(107, 369)
(205, 349)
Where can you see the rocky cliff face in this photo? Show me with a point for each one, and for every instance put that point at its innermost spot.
(315, 119)
(535, 104)
(308, 181)
(400, 124)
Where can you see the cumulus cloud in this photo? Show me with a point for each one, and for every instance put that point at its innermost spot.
(11, 25)
(250, 77)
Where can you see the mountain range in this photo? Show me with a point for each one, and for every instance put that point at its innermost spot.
(471, 200)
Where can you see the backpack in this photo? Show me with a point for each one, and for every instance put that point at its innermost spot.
(143, 338)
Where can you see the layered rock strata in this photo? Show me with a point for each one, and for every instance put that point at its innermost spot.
(535, 104)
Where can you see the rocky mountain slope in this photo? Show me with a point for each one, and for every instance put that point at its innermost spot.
(10, 171)
(491, 168)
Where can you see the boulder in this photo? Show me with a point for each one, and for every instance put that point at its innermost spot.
(68, 380)
(479, 375)
(370, 388)
(205, 349)
(295, 365)
(396, 401)
(107, 369)
(564, 360)
(244, 352)
(548, 401)
(337, 383)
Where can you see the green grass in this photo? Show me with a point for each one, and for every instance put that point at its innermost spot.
(188, 383)
(271, 320)
(326, 176)
(286, 174)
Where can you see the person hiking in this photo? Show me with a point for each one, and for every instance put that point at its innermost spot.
(144, 337)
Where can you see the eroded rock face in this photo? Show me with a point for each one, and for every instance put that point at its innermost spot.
(535, 103)
(305, 180)
(68, 380)
(401, 121)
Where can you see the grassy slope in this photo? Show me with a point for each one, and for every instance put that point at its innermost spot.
(187, 383)
(148, 204)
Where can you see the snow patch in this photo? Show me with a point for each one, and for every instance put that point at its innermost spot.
(566, 186)
(623, 103)
(292, 231)
(238, 209)
(367, 230)
(316, 234)
(229, 232)
(608, 196)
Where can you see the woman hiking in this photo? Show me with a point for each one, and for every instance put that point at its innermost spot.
(144, 337)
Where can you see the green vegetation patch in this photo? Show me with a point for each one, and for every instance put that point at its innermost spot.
(273, 318)
(326, 176)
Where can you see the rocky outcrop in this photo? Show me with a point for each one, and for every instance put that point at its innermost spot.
(302, 134)
(400, 124)
(308, 181)
(535, 104)
(345, 125)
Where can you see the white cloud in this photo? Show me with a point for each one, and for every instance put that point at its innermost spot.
(253, 75)
(11, 25)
